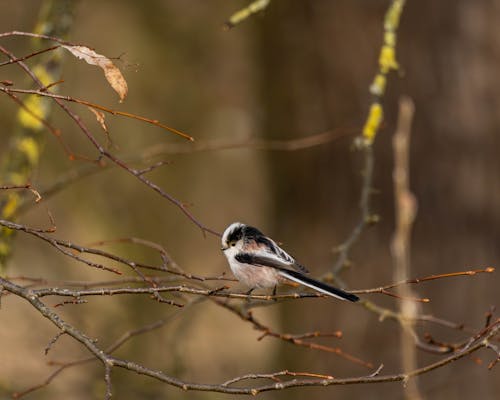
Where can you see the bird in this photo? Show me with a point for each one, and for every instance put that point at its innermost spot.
(258, 262)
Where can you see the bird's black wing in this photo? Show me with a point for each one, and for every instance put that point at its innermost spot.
(261, 260)
(296, 276)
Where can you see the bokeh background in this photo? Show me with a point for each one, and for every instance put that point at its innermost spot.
(298, 69)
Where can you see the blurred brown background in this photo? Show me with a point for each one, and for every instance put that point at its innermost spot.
(298, 69)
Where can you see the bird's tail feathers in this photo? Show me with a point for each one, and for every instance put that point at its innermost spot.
(317, 285)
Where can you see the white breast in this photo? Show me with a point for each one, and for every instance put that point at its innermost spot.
(250, 275)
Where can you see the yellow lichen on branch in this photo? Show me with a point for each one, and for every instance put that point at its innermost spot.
(387, 62)
(26, 141)
(375, 117)
(241, 15)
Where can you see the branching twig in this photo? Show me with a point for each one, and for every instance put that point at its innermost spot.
(109, 361)
(471, 272)
(43, 92)
(366, 216)
(294, 339)
(63, 245)
(35, 192)
(33, 54)
(387, 62)
(294, 144)
(275, 376)
(219, 292)
(105, 153)
(83, 171)
(53, 340)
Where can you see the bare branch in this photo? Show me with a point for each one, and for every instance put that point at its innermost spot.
(33, 54)
(86, 170)
(248, 316)
(406, 210)
(35, 192)
(366, 215)
(62, 245)
(53, 340)
(477, 342)
(104, 153)
(425, 279)
(275, 376)
(43, 92)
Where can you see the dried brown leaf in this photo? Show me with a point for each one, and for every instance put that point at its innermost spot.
(100, 118)
(111, 71)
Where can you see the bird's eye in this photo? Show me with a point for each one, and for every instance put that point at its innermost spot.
(232, 244)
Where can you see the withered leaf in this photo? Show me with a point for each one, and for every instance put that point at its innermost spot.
(100, 118)
(111, 71)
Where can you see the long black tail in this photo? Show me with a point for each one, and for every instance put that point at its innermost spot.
(317, 285)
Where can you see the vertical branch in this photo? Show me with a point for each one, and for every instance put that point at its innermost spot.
(366, 216)
(406, 209)
(26, 141)
(386, 63)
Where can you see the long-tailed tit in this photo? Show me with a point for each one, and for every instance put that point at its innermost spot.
(258, 262)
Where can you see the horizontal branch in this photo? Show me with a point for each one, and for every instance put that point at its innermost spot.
(220, 292)
(35, 192)
(482, 343)
(165, 289)
(45, 93)
(382, 289)
(477, 342)
(155, 279)
(253, 143)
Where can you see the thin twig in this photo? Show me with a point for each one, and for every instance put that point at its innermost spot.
(28, 186)
(53, 340)
(477, 342)
(35, 53)
(266, 331)
(365, 219)
(43, 92)
(425, 279)
(275, 376)
(105, 153)
(83, 171)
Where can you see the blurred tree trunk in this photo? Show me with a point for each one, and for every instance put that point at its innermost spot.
(318, 59)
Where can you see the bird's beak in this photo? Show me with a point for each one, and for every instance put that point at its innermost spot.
(223, 248)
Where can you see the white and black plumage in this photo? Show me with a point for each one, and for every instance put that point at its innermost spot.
(258, 262)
